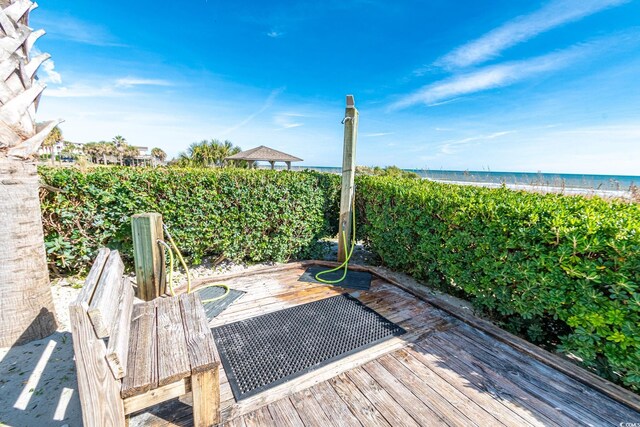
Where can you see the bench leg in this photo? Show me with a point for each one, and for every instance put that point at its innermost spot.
(206, 398)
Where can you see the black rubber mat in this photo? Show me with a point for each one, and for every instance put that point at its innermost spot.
(262, 352)
(214, 308)
(360, 280)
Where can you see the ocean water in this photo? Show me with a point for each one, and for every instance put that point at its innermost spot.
(559, 180)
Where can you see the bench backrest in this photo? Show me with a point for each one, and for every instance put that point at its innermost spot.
(101, 310)
(107, 299)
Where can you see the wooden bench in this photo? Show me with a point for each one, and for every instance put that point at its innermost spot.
(132, 356)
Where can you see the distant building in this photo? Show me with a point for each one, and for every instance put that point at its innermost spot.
(76, 148)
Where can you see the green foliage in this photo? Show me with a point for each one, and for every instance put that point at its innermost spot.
(158, 153)
(392, 171)
(206, 154)
(243, 214)
(559, 270)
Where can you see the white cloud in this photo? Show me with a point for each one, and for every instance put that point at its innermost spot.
(275, 34)
(267, 104)
(454, 146)
(133, 81)
(47, 72)
(288, 120)
(523, 28)
(50, 74)
(81, 91)
(112, 88)
(67, 27)
(375, 134)
(490, 77)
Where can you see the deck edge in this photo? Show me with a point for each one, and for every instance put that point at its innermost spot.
(572, 370)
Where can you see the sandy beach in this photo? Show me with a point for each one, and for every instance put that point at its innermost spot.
(544, 189)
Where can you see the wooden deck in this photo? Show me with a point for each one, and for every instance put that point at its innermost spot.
(442, 372)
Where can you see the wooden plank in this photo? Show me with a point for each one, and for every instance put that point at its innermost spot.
(173, 360)
(148, 255)
(446, 395)
(89, 287)
(152, 397)
(98, 390)
(236, 422)
(334, 407)
(259, 418)
(284, 414)
(383, 401)
(104, 304)
(201, 348)
(309, 410)
(347, 191)
(142, 368)
(423, 411)
(118, 348)
(250, 272)
(565, 366)
(273, 303)
(550, 386)
(357, 402)
(205, 386)
(507, 412)
(478, 377)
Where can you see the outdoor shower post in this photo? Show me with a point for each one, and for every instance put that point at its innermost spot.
(347, 192)
(148, 255)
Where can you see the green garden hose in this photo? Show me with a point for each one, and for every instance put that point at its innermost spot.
(348, 253)
(170, 279)
(186, 269)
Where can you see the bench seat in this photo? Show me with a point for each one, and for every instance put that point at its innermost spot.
(169, 341)
(154, 351)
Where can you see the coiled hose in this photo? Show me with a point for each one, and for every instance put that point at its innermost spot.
(348, 253)
(171, 250)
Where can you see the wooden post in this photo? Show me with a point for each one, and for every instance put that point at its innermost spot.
(348, 173)
(148, 255)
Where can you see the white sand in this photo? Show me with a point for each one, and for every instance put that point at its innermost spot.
(544, 189)
(37, 380)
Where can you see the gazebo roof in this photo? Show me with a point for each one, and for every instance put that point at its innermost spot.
(266, 154)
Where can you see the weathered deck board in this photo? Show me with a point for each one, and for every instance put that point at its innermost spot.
(357, 402)
(392, 410)
(284, 414)
(534, 375)
(426, 378)
(309, 410)
(406, 382)
(334, 407)
(441, 372)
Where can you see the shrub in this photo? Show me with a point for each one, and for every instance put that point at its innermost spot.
(242, 214)
(562, 271)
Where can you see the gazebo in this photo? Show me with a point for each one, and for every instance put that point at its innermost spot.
(264, 154)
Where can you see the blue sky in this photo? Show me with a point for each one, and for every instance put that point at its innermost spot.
(500, 84)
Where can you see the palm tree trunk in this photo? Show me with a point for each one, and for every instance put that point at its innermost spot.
(26, 311)
(104, 158)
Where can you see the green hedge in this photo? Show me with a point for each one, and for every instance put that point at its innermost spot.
(562, 271)
(243, 214)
